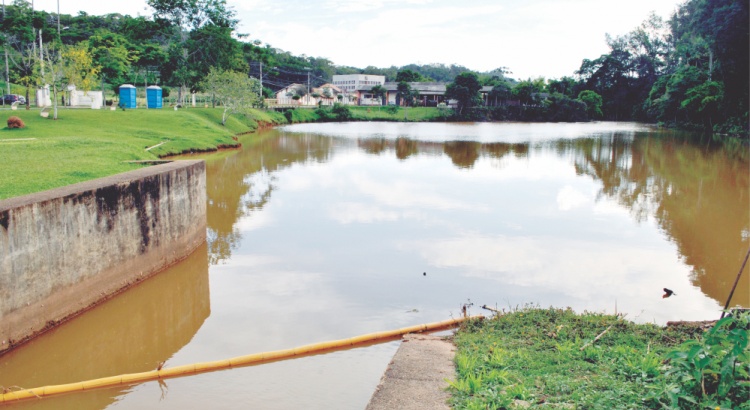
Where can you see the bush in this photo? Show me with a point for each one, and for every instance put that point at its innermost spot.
(709, 372)
(15, 122)
(342, 112)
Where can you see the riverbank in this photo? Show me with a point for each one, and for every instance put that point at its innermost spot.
(556, 358)
(87, 144)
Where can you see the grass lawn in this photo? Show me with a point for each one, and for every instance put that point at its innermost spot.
(416, 114)
(86, 144)
(547, 358)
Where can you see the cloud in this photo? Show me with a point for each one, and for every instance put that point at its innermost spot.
(569, 198)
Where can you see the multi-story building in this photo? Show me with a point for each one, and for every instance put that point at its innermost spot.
(357, 82)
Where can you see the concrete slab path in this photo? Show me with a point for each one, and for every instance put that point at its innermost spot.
(417, 376)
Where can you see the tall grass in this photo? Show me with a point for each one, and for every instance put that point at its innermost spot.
(547, 358)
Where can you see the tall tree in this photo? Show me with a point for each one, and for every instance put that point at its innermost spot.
(114, 54)
(464, 89)
(593, 103)
(188, 16)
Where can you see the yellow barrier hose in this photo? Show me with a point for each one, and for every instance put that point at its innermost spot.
(196, 368)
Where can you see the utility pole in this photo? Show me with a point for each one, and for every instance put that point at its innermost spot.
(58, 19)
(41, 53)
(308, 80)
(261, 82)
(5, 48)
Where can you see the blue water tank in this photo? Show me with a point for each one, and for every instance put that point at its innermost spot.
(153, 96)
(127, 96)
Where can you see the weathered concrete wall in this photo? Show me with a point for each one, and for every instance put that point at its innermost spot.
(65, 250)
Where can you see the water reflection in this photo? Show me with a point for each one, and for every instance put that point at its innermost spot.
(323, 231)
(681, 186)
(131, 333)
(241, 183)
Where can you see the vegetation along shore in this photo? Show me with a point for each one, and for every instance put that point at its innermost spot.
(555, 358)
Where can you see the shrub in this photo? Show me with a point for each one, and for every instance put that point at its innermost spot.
(15, 122)
(342, 112)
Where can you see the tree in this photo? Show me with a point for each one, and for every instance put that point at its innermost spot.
(593, 103)
(194, 14)
(113, 54)
(235, 91)
(526, 91)
(500, 92)
(408, 76)
(189, 16)
(404, 93)
(19, 43)
(704, 102)
(213, 46)
(379, 91)
(64, 65)
(464, 89)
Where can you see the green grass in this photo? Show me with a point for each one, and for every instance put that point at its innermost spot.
(413, 114)
(533, 357)
(86, 144)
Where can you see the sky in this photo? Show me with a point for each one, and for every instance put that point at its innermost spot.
(532, 38)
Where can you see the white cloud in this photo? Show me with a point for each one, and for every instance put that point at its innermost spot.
(350, 212)
(533, 38)
(569, 198)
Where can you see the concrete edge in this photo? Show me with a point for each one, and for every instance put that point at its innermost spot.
(417, 376)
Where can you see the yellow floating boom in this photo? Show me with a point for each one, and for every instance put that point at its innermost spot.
(196, 368)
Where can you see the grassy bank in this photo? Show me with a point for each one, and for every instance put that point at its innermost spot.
(549, 358)
(412, 114)
(86, 144)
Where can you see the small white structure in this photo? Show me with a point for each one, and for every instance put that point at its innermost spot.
(286, 95)
(43, 97)
(93, 99)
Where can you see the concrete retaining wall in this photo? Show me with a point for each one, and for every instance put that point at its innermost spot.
(65, 250)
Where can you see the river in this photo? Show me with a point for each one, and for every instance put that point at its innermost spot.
(320, 232)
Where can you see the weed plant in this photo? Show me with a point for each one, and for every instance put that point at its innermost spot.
(549, 358)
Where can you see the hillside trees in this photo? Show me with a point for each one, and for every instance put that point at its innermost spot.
(194, 22)
(19, 28)
(707, 84)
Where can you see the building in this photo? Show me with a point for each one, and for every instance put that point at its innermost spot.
(430, 94)
(294, 94)
(357, 87)
(357, 82)
(327, 94)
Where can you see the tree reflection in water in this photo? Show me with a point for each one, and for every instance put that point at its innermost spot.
(697, 194)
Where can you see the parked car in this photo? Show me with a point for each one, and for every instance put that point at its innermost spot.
(11, 98)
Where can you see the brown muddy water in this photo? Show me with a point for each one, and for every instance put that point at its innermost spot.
(319, 232)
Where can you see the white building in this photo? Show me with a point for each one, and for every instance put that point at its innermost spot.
(357, 87)
(353, 82)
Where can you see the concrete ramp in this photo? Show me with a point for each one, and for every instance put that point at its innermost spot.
(417, 376)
